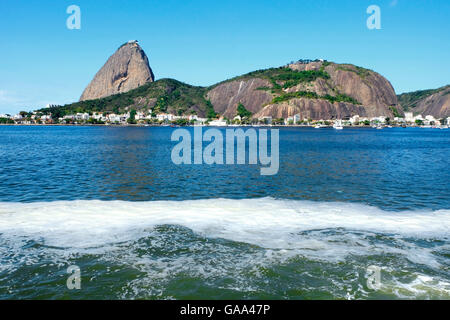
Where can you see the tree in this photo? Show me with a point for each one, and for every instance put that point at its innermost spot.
(210, 113)
(243, 112)
(132, 118)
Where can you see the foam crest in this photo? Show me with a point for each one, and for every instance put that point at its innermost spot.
(265, 222)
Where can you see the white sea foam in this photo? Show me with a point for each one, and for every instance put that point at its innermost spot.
(283, 229)
(264, 222)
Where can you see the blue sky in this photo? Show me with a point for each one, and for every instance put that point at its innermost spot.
(203, 42)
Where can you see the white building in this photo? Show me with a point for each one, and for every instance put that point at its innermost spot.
(266, 120)
(430, 118)
(82, 116)
(218, 123)
(354, 120)
(409, 117)
(289, 120)
(46, 117)
(165, 116)
(296, 118)
(113, 118)
(380, 119)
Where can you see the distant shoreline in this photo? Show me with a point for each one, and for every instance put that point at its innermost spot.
(180, 126)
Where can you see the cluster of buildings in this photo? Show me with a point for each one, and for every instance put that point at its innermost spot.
(26, 118)
(167, 118)
(356, 120)
(139, 117)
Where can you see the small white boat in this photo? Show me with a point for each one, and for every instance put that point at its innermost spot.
(338, 125)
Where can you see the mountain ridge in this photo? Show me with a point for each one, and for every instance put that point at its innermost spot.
(315, 89)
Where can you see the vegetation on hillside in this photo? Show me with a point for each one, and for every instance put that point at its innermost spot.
(165, 95)
(312, 95)
(210, 113)
(362, 72)
(281, 78)
(243, 112)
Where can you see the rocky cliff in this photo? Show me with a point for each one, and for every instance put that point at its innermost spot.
(126, 69)
(427, 102)
(315, 90)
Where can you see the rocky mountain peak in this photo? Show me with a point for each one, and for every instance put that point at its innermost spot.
(127, 69)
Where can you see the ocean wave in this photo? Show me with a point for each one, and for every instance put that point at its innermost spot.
(321, 247)
(266, 222)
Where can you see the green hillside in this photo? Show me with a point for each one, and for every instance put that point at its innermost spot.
(165, 95)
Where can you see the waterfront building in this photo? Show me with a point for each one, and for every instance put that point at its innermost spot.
(265, 120)
(354, 120)
(218, 123)
(289, 120)
(165, 116)
(409, 117)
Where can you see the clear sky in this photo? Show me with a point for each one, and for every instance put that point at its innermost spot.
(203, 42)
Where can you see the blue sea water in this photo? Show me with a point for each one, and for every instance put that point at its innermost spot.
(110, 200)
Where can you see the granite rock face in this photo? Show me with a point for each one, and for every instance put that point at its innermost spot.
(374, 94)
(437, 105)
(435, 102)
(226, 97)
(127, 69)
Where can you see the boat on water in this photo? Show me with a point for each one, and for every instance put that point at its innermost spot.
(338, 125)
(319, 126)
